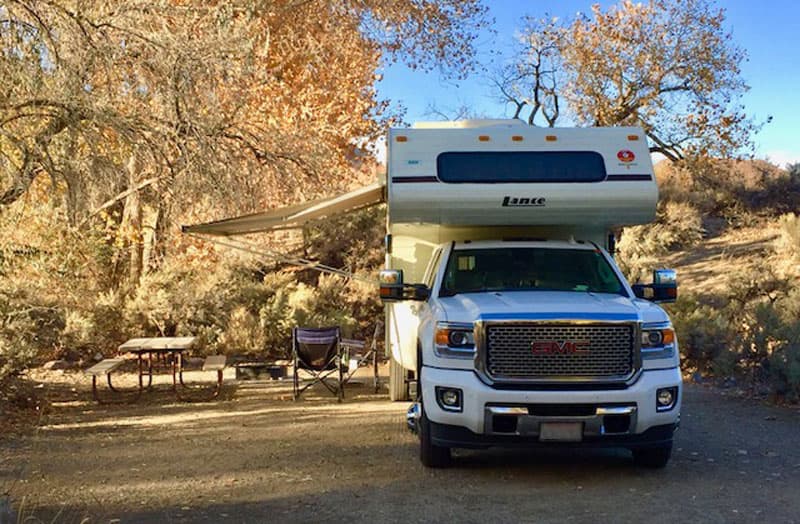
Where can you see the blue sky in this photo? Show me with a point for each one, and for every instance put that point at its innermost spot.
(769, 31)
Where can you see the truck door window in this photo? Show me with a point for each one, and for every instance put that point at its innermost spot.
(529, 269)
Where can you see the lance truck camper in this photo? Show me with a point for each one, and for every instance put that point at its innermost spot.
(507, 321)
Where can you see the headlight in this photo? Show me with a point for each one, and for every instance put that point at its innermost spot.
(460, 339)
(457, 337)
(657, 337)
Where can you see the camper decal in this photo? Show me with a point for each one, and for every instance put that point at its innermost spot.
(510, 201)
(626, 156)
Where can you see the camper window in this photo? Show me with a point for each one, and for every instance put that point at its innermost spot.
(520, 167)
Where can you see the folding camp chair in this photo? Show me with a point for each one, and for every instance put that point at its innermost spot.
(356, 354)
(318, 352)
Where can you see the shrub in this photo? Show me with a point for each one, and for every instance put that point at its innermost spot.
(28, 331)
(678, 225)
(99, 327)
(790, 234)
(784, 367)
(755, 335)
(704, 335)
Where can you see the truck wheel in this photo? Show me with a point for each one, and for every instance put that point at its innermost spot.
(398, 387)
(430, 455)
(652, 457)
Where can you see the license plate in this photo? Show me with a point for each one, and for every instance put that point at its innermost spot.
(561, 431)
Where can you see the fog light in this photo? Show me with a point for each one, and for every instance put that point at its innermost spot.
(665, 398)
(449, 398)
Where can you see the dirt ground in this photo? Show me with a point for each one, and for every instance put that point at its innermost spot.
(256, 456)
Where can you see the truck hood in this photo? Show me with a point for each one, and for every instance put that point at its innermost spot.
(545, 305)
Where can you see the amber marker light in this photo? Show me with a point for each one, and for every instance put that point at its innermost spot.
(442, 336)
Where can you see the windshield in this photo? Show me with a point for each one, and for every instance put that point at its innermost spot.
(529, 269)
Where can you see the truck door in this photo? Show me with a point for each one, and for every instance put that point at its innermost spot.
(405, 318)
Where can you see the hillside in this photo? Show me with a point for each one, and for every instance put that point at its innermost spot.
(705, 267)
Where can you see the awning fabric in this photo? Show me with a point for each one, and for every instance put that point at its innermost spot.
(292, 216)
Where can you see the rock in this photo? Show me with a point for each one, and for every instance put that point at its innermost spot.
(70, 355)
(98, 357)
(57, 364)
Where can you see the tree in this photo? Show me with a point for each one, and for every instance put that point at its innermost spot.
(532, 84)
(146, 109)
(668, 66)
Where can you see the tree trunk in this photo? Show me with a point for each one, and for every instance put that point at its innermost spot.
(158, 242)
(22, 181)
(131, 227)
(76, 187)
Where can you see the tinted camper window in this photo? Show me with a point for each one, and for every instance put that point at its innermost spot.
(520, 166)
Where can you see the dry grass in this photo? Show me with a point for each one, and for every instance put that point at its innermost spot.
(705, 268)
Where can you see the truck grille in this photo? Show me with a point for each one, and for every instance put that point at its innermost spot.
(552, 350)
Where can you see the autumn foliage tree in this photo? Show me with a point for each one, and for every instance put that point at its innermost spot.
(166, 103)
(669, 66)
(120, 120)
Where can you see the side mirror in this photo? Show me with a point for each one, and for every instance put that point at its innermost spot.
(663, 289)
(392, 287)
(391, 282)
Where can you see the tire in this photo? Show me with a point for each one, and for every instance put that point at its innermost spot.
(654, 458)
(430, 455)
(398, 386)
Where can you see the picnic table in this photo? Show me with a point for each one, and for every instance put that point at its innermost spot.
(168, 349)
(173, 347)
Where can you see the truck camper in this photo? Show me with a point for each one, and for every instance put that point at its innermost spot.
(507, 321)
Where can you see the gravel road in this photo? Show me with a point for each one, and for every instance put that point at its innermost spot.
(256, 456)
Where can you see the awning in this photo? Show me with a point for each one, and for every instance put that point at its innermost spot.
(293, 216)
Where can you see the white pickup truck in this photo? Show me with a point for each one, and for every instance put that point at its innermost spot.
(507, 320)
(519, 329)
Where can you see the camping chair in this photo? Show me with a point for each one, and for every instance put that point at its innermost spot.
(356, 355)
(318, 352)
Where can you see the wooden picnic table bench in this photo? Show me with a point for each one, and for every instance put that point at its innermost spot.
(105, 367)
(216, 363)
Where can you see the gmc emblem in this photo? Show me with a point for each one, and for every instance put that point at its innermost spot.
(565, 347)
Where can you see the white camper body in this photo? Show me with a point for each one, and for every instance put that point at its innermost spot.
(423, 212)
